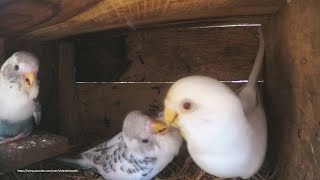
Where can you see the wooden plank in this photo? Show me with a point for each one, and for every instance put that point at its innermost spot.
(36, 147)
(56, 19)
(69, 121)
(103, 106)
(47, 53)
(100, 59)
(4, 2)
(2, 51)
(167, 55)
(25, 15)
(178, 25)
(292, 89)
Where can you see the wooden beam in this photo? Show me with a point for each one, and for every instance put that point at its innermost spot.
(292, 89)
(17, 17)
(57, 19)
(70, 124)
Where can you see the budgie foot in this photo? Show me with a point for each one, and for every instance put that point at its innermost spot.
(22, 135)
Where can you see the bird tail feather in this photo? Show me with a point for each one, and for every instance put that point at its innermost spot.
(78, 163)
(258, 63)
(249, 95)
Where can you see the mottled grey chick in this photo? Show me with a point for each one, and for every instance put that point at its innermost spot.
(143, 149)
(19, 90)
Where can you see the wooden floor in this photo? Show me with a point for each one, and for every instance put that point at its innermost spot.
(37, 147)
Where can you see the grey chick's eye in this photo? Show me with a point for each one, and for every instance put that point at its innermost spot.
(16, 68)
(145, 140)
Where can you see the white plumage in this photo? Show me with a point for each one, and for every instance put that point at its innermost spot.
(226, 133)
(19, 90)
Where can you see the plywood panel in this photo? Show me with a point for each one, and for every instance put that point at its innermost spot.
(47, 52)
(293, 90)
(56, 19)
(167, 55)
(105, 105)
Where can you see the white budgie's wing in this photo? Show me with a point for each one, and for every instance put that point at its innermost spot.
(37, 111)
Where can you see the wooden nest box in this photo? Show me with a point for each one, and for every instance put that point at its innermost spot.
(99, 59)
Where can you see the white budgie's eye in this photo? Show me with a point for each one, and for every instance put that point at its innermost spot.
(186, 105)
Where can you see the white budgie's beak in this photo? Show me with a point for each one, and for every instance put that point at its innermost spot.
(158, 126)
(28, 79)
(171, 117)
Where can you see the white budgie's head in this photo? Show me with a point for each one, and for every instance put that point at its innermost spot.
(20, 70)
(199, 102)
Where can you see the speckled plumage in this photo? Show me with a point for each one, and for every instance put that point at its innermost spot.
(113, 156)
(126, 157)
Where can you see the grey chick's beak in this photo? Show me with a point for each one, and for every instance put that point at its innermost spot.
(28, 79)
(158, 126)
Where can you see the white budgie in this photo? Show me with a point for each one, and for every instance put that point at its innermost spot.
(226, 133)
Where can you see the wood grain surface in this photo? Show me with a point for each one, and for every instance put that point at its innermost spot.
(293, 90)
(68, 111)
(18, 17)
(60, 18)
(167, 55)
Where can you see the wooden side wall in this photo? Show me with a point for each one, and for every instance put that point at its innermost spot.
(292, 88)
(68, 107)
(100, 58)
(154, 58)
(167, 55)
